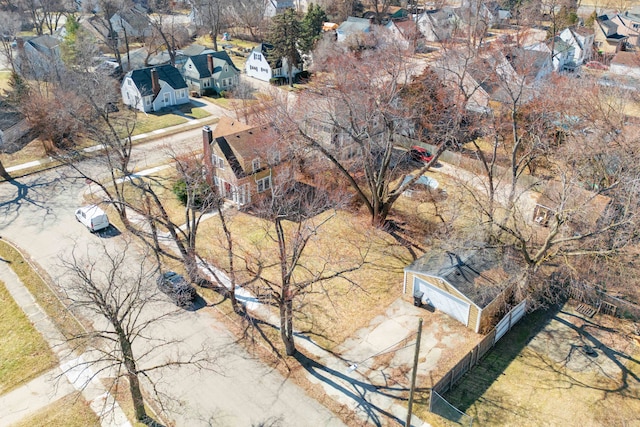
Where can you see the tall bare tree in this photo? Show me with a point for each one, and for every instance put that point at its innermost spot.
(353, 125)
(295, 214)
(114, 286)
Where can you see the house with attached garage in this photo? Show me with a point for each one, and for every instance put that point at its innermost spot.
(242, 161)
(261, 67)
(210, 73)
(154, 88)
(473, 286)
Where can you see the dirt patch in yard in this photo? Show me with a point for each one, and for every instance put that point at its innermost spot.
(557, 368)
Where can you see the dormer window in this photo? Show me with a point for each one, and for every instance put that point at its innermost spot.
(255, 164)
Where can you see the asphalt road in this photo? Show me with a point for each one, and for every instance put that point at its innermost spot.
(36, 214)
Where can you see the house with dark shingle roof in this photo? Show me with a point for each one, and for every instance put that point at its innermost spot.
(210, 73)
(473, 286)
(607, 39)
(242, 161)
(41, 55)
(154, 88)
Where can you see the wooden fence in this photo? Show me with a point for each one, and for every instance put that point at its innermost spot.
(604, 302)
(476, 354)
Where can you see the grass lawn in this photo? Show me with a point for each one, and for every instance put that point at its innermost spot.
(548, 380)
(5, 75)
(70, 411)
(164, 119)
(24, 353)
(43, 294)
(32, 151)
(336, 308)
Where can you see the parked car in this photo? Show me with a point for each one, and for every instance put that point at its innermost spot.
(420, 154)
(92, 217)
(177, 288)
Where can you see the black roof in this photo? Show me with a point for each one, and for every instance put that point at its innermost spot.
(219, 58)
(231, 157)
(480, 274)
(167, 73)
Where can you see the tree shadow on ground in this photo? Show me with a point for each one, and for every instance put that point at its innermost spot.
(363, 393)
(480, 378)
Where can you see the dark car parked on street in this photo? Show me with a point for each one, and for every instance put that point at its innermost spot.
(177, 288)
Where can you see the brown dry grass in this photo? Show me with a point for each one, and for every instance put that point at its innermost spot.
(336, 308)
(70, 411)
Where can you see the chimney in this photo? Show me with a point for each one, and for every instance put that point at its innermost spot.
(207, 139)
(155, 82)
(210, 63)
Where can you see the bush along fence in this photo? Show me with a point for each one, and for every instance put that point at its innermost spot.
(603, 302)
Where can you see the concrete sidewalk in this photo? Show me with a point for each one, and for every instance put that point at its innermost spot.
(63, 380)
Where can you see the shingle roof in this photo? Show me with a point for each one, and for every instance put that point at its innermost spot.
(247, 142)
(47, 41)
(219, 60)
(354, 25)
(480, 274)
(166, 73)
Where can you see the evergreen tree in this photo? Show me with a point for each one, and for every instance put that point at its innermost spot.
(285, 34)
(69, 45)
(312, 27)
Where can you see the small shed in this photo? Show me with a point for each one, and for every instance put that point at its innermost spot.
(472, 286)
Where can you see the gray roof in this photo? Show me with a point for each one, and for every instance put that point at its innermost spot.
(219, 60)
(166, 73)
(480, 274)
(354, 25)
(46, 41)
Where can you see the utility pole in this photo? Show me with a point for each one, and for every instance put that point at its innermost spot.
(414, 373)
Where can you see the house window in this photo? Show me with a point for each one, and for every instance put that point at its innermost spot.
(217, 161)
(255, 164)
(264, 70)
(264, 184)
(148, 101)
(257, 57)
(253, 67)
(276, 157)
(129, 82)
(216, 181)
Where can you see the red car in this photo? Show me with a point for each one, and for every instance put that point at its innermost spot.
(420, 154)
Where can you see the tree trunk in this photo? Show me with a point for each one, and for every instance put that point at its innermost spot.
(286, 326)
(132, 375)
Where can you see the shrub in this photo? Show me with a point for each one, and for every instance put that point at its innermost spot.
(200, 194)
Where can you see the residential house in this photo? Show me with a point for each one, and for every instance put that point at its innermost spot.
(582, 209)
(391, 13)
(487, 78)
(472, 286)
(404, 33)
(437, 25)
(241, 160)
(476, 15)
(607, 39)
(41, 56)
(274, 7)
(563, 53)
(629, 26)
(154, 88)
(581, 39)
(210, 73)
(260, 66)
(626, 64)
(353, 28)
(134, 23)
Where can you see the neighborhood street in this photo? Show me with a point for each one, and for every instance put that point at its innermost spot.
(36, 213)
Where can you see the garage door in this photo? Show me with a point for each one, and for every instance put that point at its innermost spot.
(443, 301)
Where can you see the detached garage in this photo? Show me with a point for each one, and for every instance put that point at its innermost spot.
(471, 286)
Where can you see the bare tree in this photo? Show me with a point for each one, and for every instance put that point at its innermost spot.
(296, 213)
(114, 286)
(210, 15)
(353, 124)
(10, 23)
(46, 14)
(250, 15)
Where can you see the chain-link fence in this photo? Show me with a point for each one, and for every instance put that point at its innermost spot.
(439, 406)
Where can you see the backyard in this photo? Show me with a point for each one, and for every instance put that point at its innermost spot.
(557, 368)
